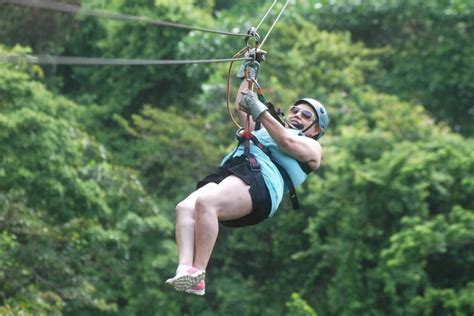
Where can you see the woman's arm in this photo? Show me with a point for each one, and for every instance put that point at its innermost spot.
(303, 149)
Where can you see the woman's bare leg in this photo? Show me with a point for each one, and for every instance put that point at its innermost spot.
(230, 199)
(185, 225)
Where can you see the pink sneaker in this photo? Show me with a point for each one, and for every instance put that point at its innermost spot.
(186, 279)
(198, 288)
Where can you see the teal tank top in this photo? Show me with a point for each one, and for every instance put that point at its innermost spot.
(271, 175)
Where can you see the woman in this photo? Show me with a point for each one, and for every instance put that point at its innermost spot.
(249, 185)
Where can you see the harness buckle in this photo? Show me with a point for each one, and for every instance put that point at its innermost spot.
(254, 164)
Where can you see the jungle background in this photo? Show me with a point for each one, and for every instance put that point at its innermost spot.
(94, 159)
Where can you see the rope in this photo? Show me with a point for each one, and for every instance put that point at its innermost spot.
(274, 22)
(229, 112)
(65, 60)
(69, 8)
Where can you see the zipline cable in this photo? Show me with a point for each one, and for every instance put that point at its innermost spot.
(65, 60)
(250, 83)
(71, 60)
(274, 22)
(265, 16)
(69, 8)
(240, 53)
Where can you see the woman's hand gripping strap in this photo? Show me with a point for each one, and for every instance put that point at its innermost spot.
(250, 104)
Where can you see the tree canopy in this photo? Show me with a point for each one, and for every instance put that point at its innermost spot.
(94, 158)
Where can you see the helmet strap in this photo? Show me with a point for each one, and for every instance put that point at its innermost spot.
(315, 136)
(309, 126)
(301, 126)
(294, 126)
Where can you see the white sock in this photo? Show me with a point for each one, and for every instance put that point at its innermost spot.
(182, 267)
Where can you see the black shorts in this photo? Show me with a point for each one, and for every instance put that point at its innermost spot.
(261, 200)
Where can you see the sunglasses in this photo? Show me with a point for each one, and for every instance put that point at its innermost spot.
(306, 114)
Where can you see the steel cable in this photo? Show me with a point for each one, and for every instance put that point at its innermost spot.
(274, 22)
(265, 16)
(69, 8)
(239, 53)
(70, 60)
(65, 60)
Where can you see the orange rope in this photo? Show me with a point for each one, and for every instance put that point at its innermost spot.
(247, 131)
(229, 112)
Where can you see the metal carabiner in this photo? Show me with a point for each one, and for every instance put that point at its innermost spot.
(252, 32)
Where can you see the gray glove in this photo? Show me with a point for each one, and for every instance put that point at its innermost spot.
(249, 103)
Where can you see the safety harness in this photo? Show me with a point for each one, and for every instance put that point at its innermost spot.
(244, 135)
(245, 138)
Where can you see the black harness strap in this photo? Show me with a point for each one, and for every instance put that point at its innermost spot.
(289, 185)
(255, 166)
(305, 167)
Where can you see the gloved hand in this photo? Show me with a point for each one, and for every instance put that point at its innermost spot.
(249, 103)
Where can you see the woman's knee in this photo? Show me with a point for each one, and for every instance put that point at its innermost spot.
(205, 205)
(185, 211)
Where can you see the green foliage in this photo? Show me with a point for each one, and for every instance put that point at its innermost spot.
(78, 234)
(298, 307)
(323, 63)
(418, 35)
(172, 149)
(138, 85)
(386, 226)
(426, 254)
(364, 198)
(43, 31)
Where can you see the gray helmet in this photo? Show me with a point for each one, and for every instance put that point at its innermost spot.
(322, 115)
